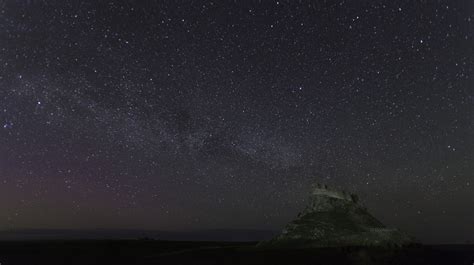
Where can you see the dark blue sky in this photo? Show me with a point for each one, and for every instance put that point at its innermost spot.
(178, 115)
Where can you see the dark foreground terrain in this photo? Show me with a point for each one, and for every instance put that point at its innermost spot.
(167, 252)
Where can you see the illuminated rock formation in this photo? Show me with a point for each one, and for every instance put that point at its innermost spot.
(334, 219)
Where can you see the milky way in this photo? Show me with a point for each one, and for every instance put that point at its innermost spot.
(197, 114)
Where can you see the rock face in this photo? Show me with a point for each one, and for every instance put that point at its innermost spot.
(334, 219)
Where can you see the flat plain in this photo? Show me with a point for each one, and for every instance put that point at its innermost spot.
(119, 252)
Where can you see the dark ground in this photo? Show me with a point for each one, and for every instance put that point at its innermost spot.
(167, 252)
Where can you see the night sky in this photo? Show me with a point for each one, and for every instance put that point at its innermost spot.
(189, 115)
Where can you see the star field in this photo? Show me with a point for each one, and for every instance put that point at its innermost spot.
(178, 115)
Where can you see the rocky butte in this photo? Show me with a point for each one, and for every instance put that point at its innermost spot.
(336, 219)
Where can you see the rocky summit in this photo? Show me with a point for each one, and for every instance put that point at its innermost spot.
(336, 219)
